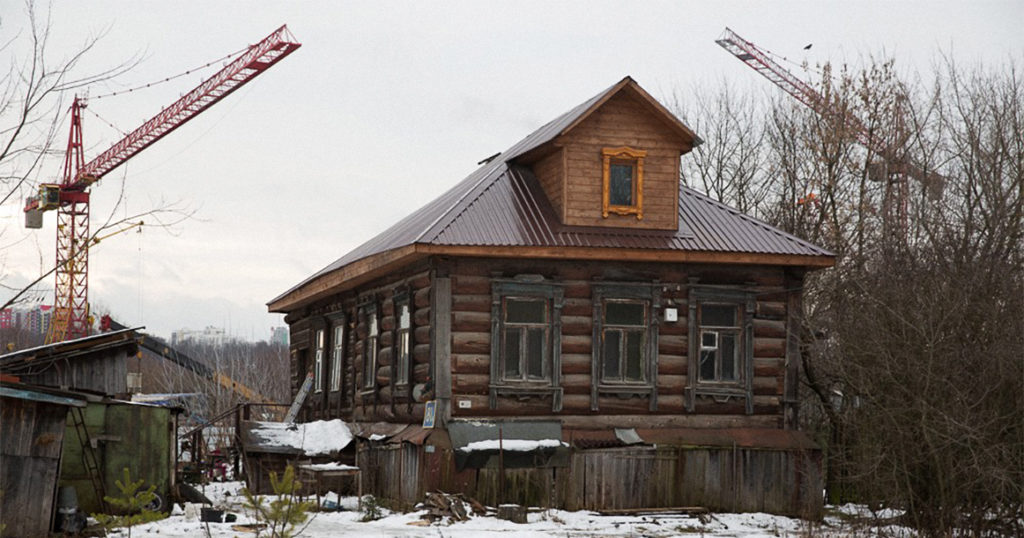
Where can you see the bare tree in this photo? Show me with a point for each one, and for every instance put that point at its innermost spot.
(34, 95)
(913, 345)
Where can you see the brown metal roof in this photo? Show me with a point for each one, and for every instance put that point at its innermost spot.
(502, 204)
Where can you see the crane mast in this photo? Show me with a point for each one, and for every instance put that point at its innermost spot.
(898, 167)
(71, 197)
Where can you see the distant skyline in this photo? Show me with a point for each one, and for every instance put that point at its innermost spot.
(383, 108)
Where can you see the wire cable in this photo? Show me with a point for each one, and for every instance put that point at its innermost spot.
(172, 77)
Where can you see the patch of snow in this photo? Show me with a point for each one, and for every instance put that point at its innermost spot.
(518, 445)
(378, 437)
(332, 466)
(313, 438)
(540, 523)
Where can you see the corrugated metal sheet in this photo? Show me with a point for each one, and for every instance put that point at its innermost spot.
(502, 204)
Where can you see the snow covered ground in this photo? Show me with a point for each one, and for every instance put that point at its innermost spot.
(541, 523)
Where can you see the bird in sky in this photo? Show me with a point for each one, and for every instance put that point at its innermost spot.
(808, 47)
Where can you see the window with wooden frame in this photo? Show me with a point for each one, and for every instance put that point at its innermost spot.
(625, 341)
(403, 339)
(370, 346)
(526, 340)
(337, 355)
(721, 344)
(623, 181)
(318, 361)
(721, 364)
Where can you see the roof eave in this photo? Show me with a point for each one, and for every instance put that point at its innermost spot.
(345, 277)
(366, 269)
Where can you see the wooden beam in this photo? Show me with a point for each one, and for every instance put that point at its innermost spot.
(376, 265)
(626, 254)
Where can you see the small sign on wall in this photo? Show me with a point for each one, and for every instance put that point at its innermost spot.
(429, 413)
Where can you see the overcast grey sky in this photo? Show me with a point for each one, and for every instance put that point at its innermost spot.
(385, 106)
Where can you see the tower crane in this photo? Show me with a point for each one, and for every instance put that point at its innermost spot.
(899, 167)
(70, 197)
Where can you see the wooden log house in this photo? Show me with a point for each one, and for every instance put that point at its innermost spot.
(570, 289)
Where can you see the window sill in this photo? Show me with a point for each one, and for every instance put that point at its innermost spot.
(720, 394)
(527, 389)
(625, 389)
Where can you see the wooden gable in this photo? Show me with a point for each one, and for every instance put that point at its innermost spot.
(628, 122)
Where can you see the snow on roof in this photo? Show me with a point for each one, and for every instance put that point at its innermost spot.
(332, 466)
(517, 445)
(313, 438)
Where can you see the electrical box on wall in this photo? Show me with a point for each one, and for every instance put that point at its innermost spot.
(671, 314)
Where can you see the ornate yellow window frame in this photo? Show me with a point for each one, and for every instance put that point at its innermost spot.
(634, 157)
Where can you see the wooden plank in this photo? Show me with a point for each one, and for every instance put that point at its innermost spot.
(633, 255)
(463, 384)
(442, 345)
(471, 303)
(471, 321)
(474, 363)
(471, 343)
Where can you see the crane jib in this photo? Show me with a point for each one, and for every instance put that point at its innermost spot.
(252, 62)
(70, 198)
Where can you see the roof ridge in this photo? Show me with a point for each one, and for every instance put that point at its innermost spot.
(536, 138)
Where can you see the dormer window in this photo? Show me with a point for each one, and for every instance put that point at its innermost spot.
(623, 185)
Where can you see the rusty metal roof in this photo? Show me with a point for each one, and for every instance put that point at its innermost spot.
(502, 204)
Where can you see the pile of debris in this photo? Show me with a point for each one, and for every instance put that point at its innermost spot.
(456, 507)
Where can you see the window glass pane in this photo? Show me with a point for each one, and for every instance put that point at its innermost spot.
(620, 184)
(707, 364)
(718, 315)
(339, 350)
(372, 329)
(370, 363)
(525, 310)
(535, 352)
(403, 317)
(634, 356)
(612, 354)
(616, 313)
(318, 381)
(512, 355)
(728, 357)
(403, 357)
(709, 339)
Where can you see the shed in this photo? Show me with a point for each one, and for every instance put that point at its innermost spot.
(269, 447)
(31, 438)
(137, 436)
(97, 363)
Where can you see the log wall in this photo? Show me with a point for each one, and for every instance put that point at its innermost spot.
(385, 401)
(471, 342)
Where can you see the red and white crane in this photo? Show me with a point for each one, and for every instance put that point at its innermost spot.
(71, 197)
(899, 168)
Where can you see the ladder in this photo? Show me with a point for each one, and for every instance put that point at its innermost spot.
(89, 460)
(300, 398)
